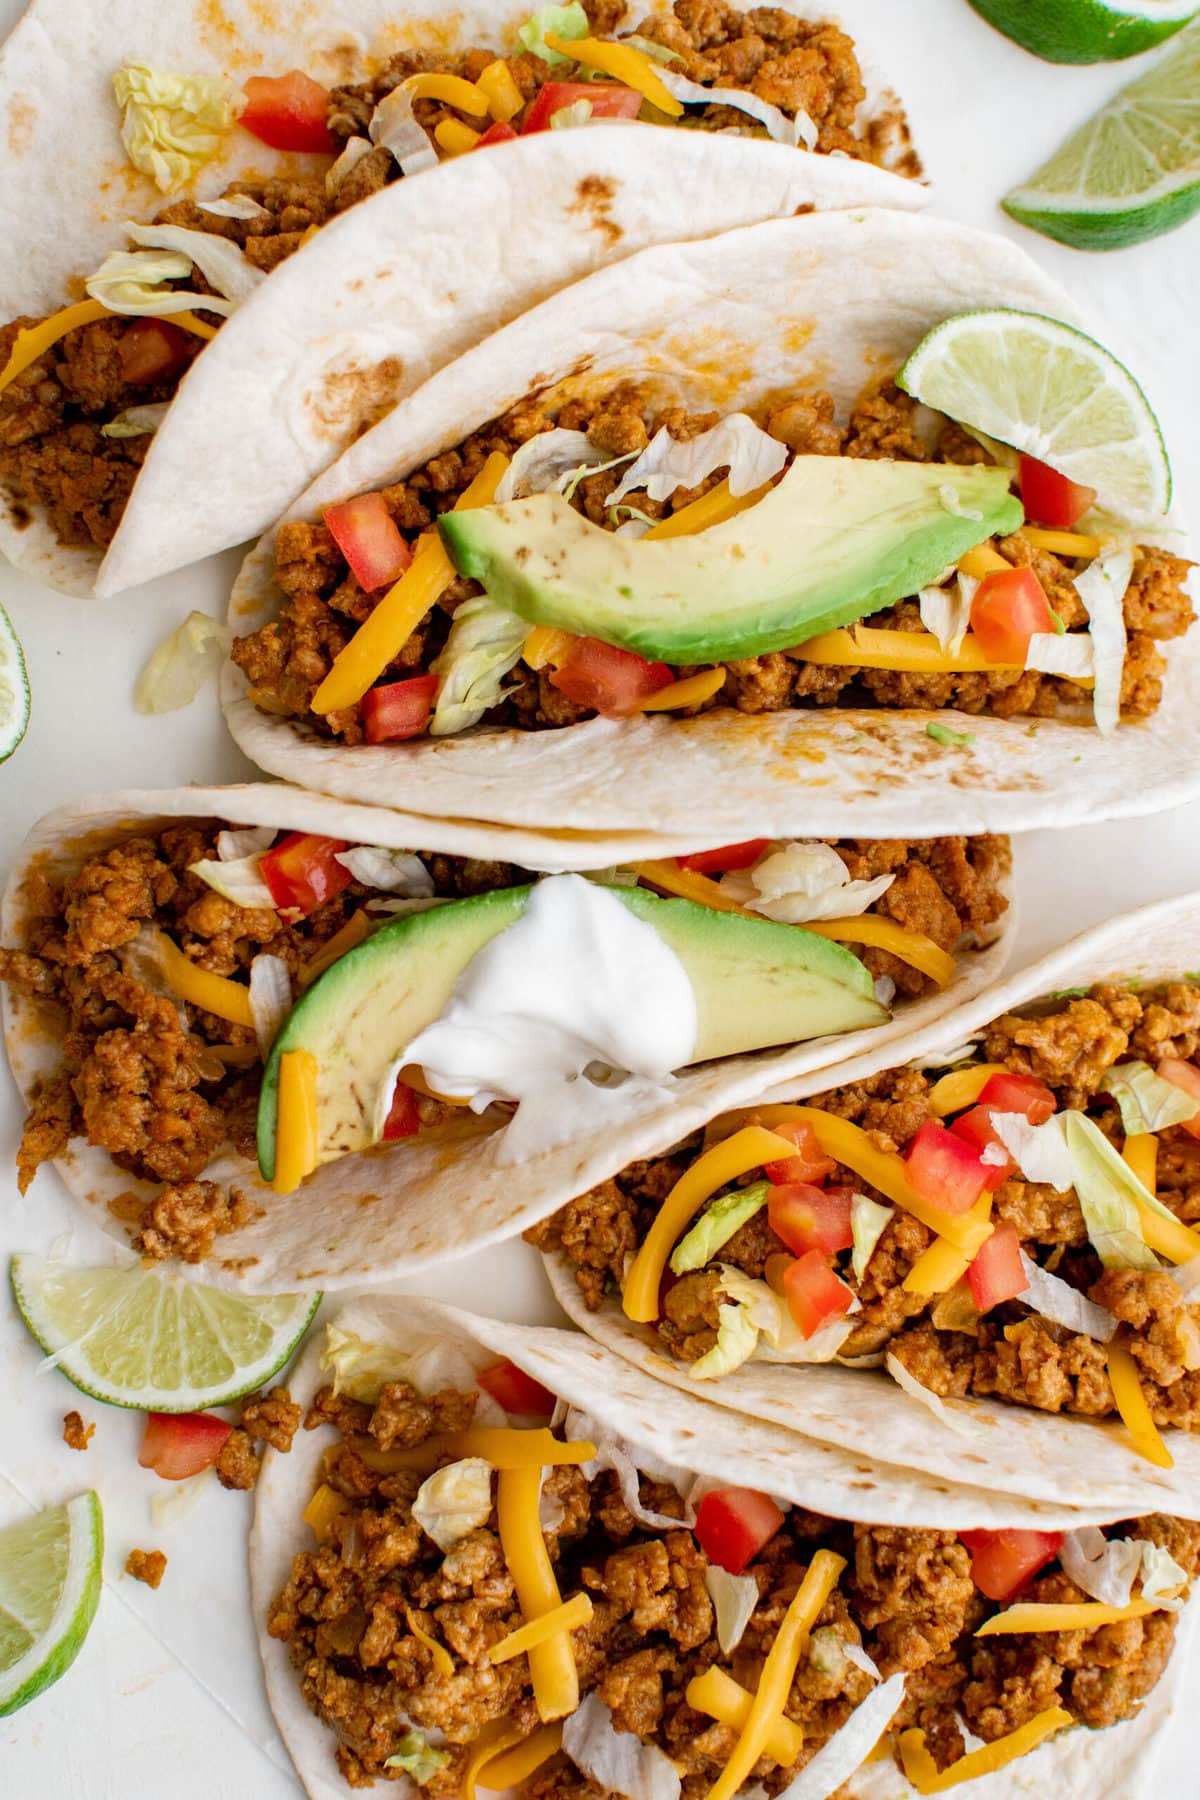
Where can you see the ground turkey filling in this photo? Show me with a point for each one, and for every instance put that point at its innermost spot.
(322, 604)
(144, 1079)
(906, 1596)
(53, 454)
(1011, 1352)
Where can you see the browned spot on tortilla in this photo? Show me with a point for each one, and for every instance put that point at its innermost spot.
(22, 117)
(350, 401)
(800, 211)
(235, 1264)
(20, 516)
(369, 1199)
(594, 196)
(889, 139)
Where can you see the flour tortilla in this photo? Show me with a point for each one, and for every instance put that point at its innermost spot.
(387, 294)
(410, 1206)
(1013, 1449)
(826, 301)
(677, 1428)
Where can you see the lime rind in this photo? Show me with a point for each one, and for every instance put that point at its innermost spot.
(70, 1539)
(1086, 31)
(156, 1343)
(14, 689)
(1050, 391)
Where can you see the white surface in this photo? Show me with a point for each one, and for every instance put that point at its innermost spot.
(165, 1697)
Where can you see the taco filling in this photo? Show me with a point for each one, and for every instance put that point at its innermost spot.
(295, 998)
(82, 392)
(497, 1604)
(610, 556)
(1019, 1225)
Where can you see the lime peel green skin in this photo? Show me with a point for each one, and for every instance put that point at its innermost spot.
(774, 576)
(21, 682)
(65, 1652)
(772, 971)
(1076, 33)
(1110, 230)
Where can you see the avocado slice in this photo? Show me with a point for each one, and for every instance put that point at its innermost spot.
(756, 984)
(837, 539)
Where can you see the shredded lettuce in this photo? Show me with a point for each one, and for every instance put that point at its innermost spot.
(136, 421)
(617, 1761)
(360, 1368)
(356, 148)
(561, 22)
(1163, 1580)
(244, 840)
(796, 882)
(223, 264)
(780, 1338)
(867, 1221)
(417, 1757)
(183, 662)
(734, 1599)
(1039, 1151)
(238, 881)
(1070, 655)
(716, 1225)
(390, 871)
(270, 999)
(658, 53)
(543, 463)
(235, 206)
(616, 1454)
(132, 282)
(1104, 1568)
(172, 123)
(1102, 587)
(737, 1340)
(796, 131)
(751, 455)
(484, 644)
(455, 1501)
(1108, 1192)
(1056, 1299)
(946, 611)
(926, 1396)
(1147, 1102)
(846, 1751)
(565, 118)
(393, 127)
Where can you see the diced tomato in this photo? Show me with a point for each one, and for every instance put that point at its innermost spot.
(976, 1128)
(733, 1524)
(1050, 498)
(1003, 1561)
(1184, 1075)
(1010, 605)
(1010, 1093)
(944, 1169)
(403, 1120)
(995, 1274)
(516, 1391)
(288, 112)
(369, 538)
(810, 1162)
(176, 1445)
(610, 681)
(814, 1293)
(152, 350)
(496, 134)
(811, 1218)
(732, 856)
(606, 99)
(398, 710)
(302, 871)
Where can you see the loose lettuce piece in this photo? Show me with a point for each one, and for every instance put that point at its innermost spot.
(1104, 1568)
(270, 999)
(172, 123)
(715, 1226)
(617, 1761)
(946, 611)
(926, 1396)
(360, 1368)
(455, 1501)
(867, 1221)
(846, 1751)
(183, 662)
(1108, 1192)
(417, 1757)
(484, 644)
(245, 840)
(1039, 1151)
(1147, 1102)
(391, 871)
(751, 455)
(238, 206)
(616, 1454)
(237, 880)
(734, 1599)
(1056, 1299)
(797, 131)
(796, 882)
(136, 421)
(564, 118)
(394, 127)
(1163, 1581)
(223, 264)
(1071, 655)
(349, 159)
(737, 1340)
(1102, 587)
(561, 22)
(543, 462)
(132, 282)
(783, 1339)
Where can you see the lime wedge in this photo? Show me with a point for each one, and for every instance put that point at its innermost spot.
(1133, 171)
(153, 1341)
(14, 689)
(1086, 31)
(1050, 392)
(49, 1589)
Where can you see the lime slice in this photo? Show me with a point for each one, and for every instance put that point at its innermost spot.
(14, 689)
(1050, 392)
(1133, 171)
(49, 1589)
(156, 1342)
(1086, 31)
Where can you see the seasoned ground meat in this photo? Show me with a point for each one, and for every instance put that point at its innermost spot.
(1069, 1042)
(76, 1434)
(286, 659)
(360, 1607)
(146, 1565)
(238, 1462)
(272, 1418)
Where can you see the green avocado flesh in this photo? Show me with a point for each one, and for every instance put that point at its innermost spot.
(756, 984)
(837, 539)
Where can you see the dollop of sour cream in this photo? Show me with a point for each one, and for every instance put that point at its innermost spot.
(579, 1012)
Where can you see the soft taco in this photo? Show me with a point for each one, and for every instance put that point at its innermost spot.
(211, 996)
(664, 552)
(979, 1256)
(161, 167)
(500, 1560)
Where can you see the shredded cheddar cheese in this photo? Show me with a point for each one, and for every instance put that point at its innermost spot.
(688, 692)
(451, 90)
(944, 1264)
(504, 1446)
(296, 1120)
(322, 1510)
(985, 559)
(687, 884)
(885, 934)
(503, 96)
(33, 341)
(1062, 543)
(922, 1771)
(569, 1616)
(516, 1764)
(551, 1663)
(1083, 1615)
(1132, 1406)
(454, 137)
(728, 1702)
(546, 644)
(442, 1660)
(710, 509)
(961, 1088)
(200, 987)
(918, 652)
(625, 63)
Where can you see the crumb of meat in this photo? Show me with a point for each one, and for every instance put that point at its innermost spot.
(75, 1433)
(402, 1416)
(238, 1463)
(186, 1219)
(148, 1566)
(272, 1418)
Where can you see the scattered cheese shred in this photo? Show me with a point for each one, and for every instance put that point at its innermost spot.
(492, 1743)
(985, 559)
(515, 1765)
(200, 987)
(451, 90)
(33, 341)
(922, 1771)
(711, 509)
(885, 934)
(1170, 1237)
(568, 1617)
(1141, 1154)
(1131, 1404)
(454, 137)
(728, 1702)
(552, 1663)
(666, 875)
(545, 644)
(961, 1088)
(296, 1120)
(918, 652)
(747, 1149)
(1062, 543)
(943, 1264)
(688, 692)
(443, 1662)
(1082, 1615)
(501, 92)
(631, 67)
(322, 1510)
